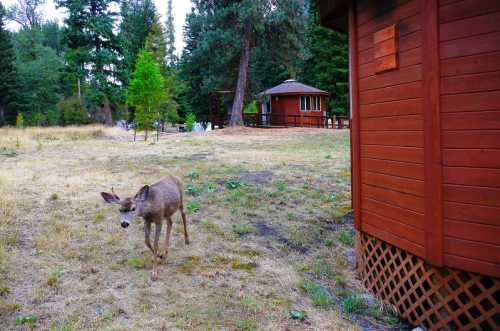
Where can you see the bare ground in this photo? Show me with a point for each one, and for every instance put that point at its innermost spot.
(268, 214)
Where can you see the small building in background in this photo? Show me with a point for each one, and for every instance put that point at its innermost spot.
(292, 103)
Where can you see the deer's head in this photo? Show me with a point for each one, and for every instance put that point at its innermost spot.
(127, 206)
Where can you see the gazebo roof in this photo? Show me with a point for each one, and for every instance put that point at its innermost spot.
(291, 86)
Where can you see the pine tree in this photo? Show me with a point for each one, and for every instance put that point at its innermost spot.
(327, 64)
(138, 17)
(146, 91)
(222, 38)
(8, 81)
(93, 55)
(170, 36)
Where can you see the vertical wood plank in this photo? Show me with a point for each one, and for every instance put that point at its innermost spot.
(355, 130)
(429, 13)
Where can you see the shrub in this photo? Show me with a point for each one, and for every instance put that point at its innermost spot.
(190, 119)
(251, 108)
(72, 112)
(20, 120)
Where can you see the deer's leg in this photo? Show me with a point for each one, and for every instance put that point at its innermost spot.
(167, 237)
(147, 232)
(155, 247)
(186, 235)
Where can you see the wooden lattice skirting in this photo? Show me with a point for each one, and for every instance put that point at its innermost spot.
(436, 298)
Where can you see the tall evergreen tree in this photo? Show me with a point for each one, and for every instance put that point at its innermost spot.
(327, 63)
(137, 19)
(8, 82)
(170, 36)
(90, 33)
(146, 91)
(222, 37)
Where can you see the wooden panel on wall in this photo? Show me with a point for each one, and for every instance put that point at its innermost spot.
(400, 184)
(475, 232)
(398, 229)
(471, 102)
(395, 168)
(467, 8)
(472, 45)
(392, 108)
(399, 214)
(481, 120)
(393, 123)
(403, 200)
(472, 213)
(472, 176)
(395, 153)
(470, 26)
(472, 64)
(472, 249)
(478, 158)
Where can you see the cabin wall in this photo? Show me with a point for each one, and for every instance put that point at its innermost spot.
(470, 132)
(286, 111)
(426, 135)
(390, 123)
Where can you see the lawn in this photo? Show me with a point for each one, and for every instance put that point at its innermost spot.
(269, 215)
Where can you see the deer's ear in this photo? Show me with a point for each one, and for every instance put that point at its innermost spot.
(110, 197)
(143, 193)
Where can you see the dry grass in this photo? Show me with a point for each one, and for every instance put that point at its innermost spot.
(262, 205)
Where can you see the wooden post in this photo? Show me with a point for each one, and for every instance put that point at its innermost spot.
(433, 210)
(355, 134)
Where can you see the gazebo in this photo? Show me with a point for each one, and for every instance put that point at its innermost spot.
(292, 103)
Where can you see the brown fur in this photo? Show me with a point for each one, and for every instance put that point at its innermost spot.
(154, 203)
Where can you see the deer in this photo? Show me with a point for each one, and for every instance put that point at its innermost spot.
(153, 203)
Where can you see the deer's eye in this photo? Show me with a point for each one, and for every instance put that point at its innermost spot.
(133, 209)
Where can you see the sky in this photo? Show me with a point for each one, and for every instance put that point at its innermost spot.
(181, 8)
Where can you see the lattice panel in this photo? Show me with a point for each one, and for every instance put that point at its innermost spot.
(437, 298)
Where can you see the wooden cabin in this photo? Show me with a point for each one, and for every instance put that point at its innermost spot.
(425, 108)
(293, 104)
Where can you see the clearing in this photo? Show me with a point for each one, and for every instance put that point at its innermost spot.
(269, 216)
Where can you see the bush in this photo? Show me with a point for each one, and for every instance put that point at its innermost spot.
(20, 120)
(251, 108)
(190, 119)
(72, 112)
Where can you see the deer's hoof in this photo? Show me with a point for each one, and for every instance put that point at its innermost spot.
(187, 241)
(154, 276)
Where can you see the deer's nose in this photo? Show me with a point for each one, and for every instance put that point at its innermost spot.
(125, 225)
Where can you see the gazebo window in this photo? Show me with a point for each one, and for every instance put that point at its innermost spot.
(310, 103)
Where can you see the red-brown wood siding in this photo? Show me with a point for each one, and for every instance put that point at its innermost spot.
(428, 133)
(391, 123)
(285, 110)
(470, 133)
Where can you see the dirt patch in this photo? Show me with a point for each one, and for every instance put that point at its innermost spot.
(256, 177)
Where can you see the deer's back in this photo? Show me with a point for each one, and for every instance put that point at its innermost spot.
(167, 195)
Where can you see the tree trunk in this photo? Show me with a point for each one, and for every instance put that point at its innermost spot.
(146, 134)
(106, 110)
(239, 95)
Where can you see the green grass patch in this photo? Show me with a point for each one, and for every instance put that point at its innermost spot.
(319, 296)
(193, 207)
(233, 184)
(242, 229)
(354, 304)
(29, 320)
(347, 238)
(10, 152)
(239, 265)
